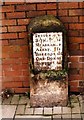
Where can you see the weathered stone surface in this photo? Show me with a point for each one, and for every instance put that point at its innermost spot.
(47, 23)
(46, 92)
(49, 93)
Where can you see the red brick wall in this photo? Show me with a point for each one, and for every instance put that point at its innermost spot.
(15, 20)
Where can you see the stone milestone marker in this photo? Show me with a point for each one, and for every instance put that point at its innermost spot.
(48, 62)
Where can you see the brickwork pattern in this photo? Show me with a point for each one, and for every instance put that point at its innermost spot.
(15, 19)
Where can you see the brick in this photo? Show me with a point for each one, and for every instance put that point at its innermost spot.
(5, 55)
(75, 77)
(76, 40)
(81, 46)
(67, 5)
(74, 83)
(23, 21)
(23, 35)
(19, 42)
(16, 15)
(62, 12)
(13, 73)
(81, 83)
(21, 90)
(76, 12)
(74, 89)
(17, 28)
(73, 33)
(74, 59)
(26, 84)
(2, 16)
(81, 33)
(35, 1)
(46, 6)
(73, 71)
(69, 19)
(9, 36)
(4, 29)
(26, 7)
(81, 4)
(52, 12)
(66, 26)
(76, 26)
(5, 42)
(81, 71)
(73, 46)
(18, 54)
(12, 84)
(35, 13)
(20, 67)
(13, 3)
(5, 49)
(25, 73)
(81, 59)
(7, 8)
(76, 65)
(77, 52)
(81, 18)
(8, 22)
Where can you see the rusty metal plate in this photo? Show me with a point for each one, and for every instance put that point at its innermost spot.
(47, 50)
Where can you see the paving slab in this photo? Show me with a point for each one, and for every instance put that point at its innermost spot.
(15, 100)
(7, 101)
(28, 103)
(82, 108)
(57, 110)
(74, 99)
(57, 117)
(76, 110)
(23, 100)
(75, 104)
(38, 111)
(29, 111)
(33, 117)
(47, 111)
(8, 111)
(20, 110)
(82, 115)
(67, 117)
(76, 116)
(66, 110)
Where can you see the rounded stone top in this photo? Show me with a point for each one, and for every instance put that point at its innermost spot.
(46, 23)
